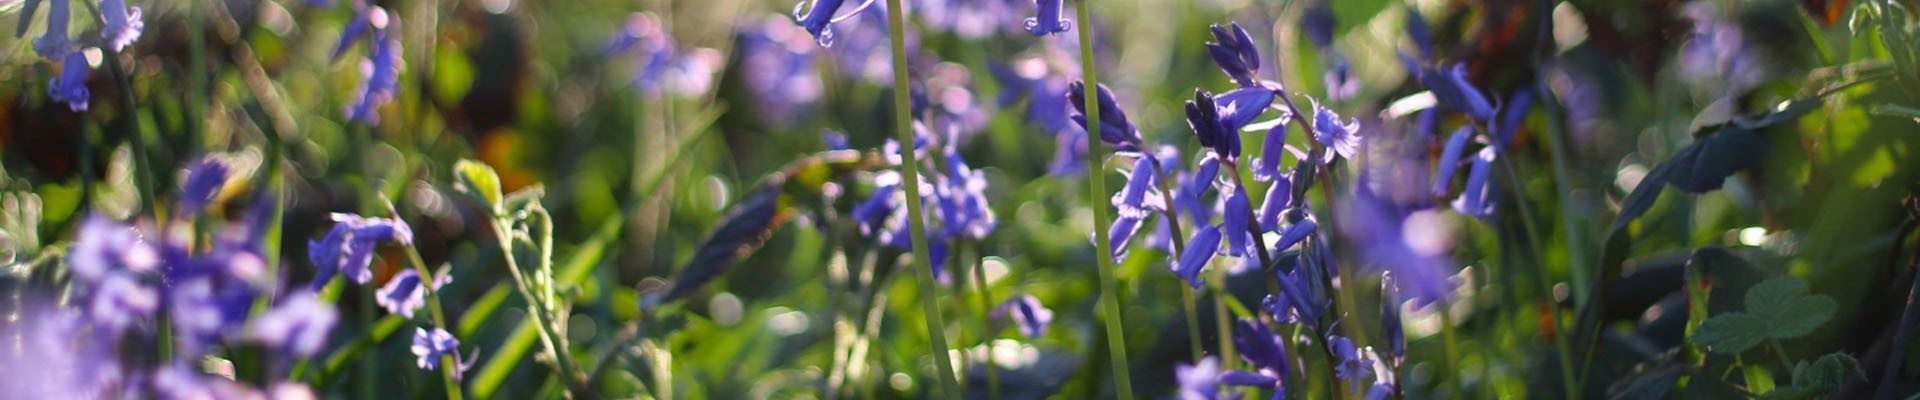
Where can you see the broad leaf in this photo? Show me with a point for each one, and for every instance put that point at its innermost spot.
(1802, 317)
(1771, 297)
(1731, 333)
(478, 180)
(1828, 373)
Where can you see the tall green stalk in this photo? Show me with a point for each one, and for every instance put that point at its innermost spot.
(910, 168)
(1109, 291)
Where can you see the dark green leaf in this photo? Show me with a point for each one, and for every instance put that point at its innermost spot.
(1654, 384)
(1802, 317)
(1773, 296)
(1731, 333)
(1828, 373)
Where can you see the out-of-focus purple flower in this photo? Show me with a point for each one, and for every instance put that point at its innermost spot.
(963, 201)
(1452, 90)
(1318, 25)
(1234, 51)
(818, 20)
(348, 248)
(1512, 115)
(1200, 250)
(1279, 198)
(1028, 78)
(1718, 51)
(204, 179)
(50, 354)
(1115, 128)
(70, 86)
(1341, 84)
(835, 140)
(1342, 138)
(119, 302)
(1272, 149)
(1476, 199)
(299, 324)
(123, 24)
(949, 107)
(662, 67)
(1070, 154)
(1048, 20)
(873, 213)
(1260, 348)
(403, 293)
(205, 310)
(1450, 159)
(1353, 365)
(54, 43)
(1421, 35)
(1406, 242)
(364, 19)
(1138, 198)
(431, 346)
(968, 19)
(777, 67)
(1028, 314)
(1234, 224)
(382, 70)
(1199, 381)
(103, 246)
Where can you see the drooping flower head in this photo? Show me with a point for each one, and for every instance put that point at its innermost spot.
(1200, 251)
(431, 346)
(70, 86)
(123, 24)
(403, 294)
(348, 248)
(1454, 91)
(1203, 117)
(54, 43)
(1027, 313)
(1114, 127)
(1233, 49)
(1341, 138)
(818, 21)
(1048, 21)
(204, 180)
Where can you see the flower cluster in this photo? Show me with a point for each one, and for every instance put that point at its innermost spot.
(381, 69)
(955, 196)
(144, 285)
(663, 66)
(120, 27)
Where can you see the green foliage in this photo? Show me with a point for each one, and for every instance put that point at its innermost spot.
(1777, 308)
(479, 181)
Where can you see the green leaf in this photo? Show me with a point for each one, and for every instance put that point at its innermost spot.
(477, 179)
(1731, 333)
(1801, 318)
(1773, 296)
(1828, 373)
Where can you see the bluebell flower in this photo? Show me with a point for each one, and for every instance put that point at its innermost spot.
(364, 18)
(1115, 129)
(818, 20)
(778, 70)
(1191, 196)
(52, 353)
(1241, 106)
(103, 247)
(1048, 19)
(123, 24)
(300, 324)
(1296, 232)
(1318, 26)
(54, 43)
(70, 86)
(1236, 54)
(204, 180)
(430, 346)
(862, 48)
(1452, 90)
(1512, 115)
(1070, 154)
(873, 213)
(1028, 314)
(349, 246)
(1340, 82)
(1203, 116)
(1272, 150)
(1717, 51)
(963, 200)
(1199, 381)
(403, 293)
(1342, 138)
(1353, 364)
(835, 140)
(1279, 198)
(1138, 198)
(1120, 235)
(382, 71)
(1450, 159)
(119, 302)
(1028, 79)
(1200, 250)
(1421, 35)
(1297, 300)
(1234, 224)
(1476, 199)
(969, 19)
(201, 314)
(1260, 348)
(1403, 241)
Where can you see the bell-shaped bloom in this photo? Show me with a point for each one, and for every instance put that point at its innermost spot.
(1138, 197)
(1476, 199)
(55, 43)
(204, 180)
(1352, 364)
(1120, 235)
(873, 213)
(818, 20)
(1260, 347)
(963, 205)
(1115, 129)
(1236, 54)
(1203, 116)
(1452, 90)
(431, 346)
(70, 86)
(104, 247)
(1341, 138)
(1190, 198)
(1069, 154)
(1450, 159)
(1198, 381)
(1341, 84)
(1027, 313)
(1421, 35)
(1279, 198)
(1048, 20)
(403, 293)
(1297, 232)
(1512, 115)
(299, 324)
(1240, 107)
(1235, 224)
(382, 71)
(364, 19)
(1200, 250)
(123, 24)
(1273, 148)
(349, 246)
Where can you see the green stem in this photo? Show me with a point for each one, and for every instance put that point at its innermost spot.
(563, 358)
(1109, 291)
(1450, 351)
(985, 296)
(910, 167)
(1188, 297)
(143, 169)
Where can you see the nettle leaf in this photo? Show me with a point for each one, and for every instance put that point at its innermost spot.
(1828, 373)
(477, 179)
(1731, 333)
(1772, 296)
(1787, 309)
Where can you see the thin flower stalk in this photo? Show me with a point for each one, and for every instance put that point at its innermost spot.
(910, 171)
(1109, 291)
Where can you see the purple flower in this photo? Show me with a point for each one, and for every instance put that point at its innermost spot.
(874, 212)
(1273, 148)
(1189, 197)
(430, 347)
(1234, 223)
(1512, 115)
(1296, 293)
(382, 71)
(204, 180)
(1476, 199)
(1339, 138)
(1296, 232)
(364, 18)
(1028, 78)
(54, 43)
(1354, 364)
(119, 302)
(1279, 198)
(1200, 250)
(299, 324)
(778, 70)
(1199, 381)
(1339, 79)
(1452, 90)
(201, 312)
(1121, 234)
(1070, 154)
(348, 248)
(963, 201)
(1421, 35)
(1204, 118)
(1718, 51)
(662, 68)
(1318, 26)
(835, 140)
(1260, 348)
(123, 24)
(403, 294)
(968, 19)
(1137, 198)
(1048, 20)
(1115, 129)
(818, 20)
(1028, 314)
(1450, 159)
(102, 247)
(1236, 54)
(70, 86)
(1406, 242)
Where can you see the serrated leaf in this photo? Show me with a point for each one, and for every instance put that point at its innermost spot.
(480, 181)
(1731, 333)
(1771, 297)
(1802, 317)
(1828, 373)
